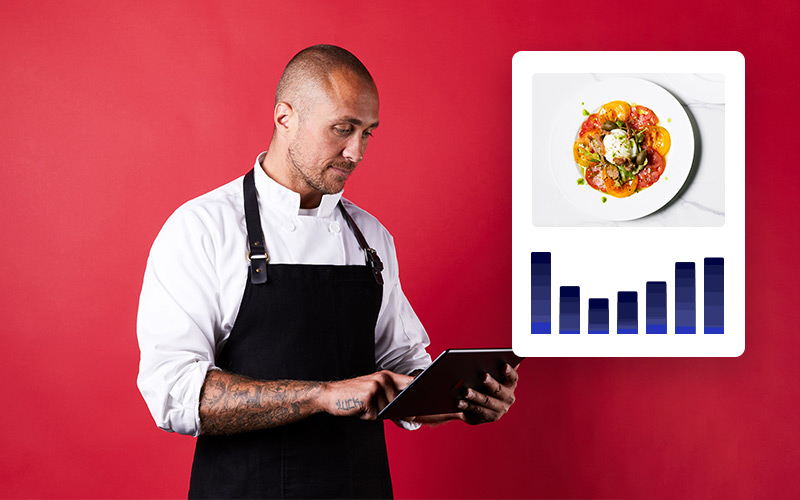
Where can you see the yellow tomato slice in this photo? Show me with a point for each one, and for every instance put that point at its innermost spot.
(657, 138)
(621, 191)
(613, 111)
(585, 146)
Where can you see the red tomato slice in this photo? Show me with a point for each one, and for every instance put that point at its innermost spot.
(641, 117)
(652, 172)
(593, 121)
(594, 177)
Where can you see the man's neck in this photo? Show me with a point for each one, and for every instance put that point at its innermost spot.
(277, 169)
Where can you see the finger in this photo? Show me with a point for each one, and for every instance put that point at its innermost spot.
(484, 401)
(498, 390)
(493, 386)
(382, 393)
(473, 411)
(382, 399)
(399, 381)
(511, 376)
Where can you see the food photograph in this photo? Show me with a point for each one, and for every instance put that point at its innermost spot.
(628, 150)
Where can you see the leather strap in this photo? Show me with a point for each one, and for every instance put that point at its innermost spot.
(255, 236)
(373, 261)
(258, 256)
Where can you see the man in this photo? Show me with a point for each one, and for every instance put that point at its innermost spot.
(261, 328)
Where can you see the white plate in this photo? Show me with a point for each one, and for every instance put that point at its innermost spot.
(672, 117)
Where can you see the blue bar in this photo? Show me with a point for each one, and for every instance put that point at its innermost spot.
(656, 307)
(598, 316)
(569, 319)
(685, 304)
(540, 292)
(713, 295)
(627, 313)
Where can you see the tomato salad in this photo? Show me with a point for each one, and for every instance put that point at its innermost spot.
(621, 149)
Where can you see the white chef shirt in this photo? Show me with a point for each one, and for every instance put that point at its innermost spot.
(196, 275)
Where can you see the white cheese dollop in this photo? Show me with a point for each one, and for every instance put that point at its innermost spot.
(617, 145)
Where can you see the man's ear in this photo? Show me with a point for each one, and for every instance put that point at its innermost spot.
(283, 117)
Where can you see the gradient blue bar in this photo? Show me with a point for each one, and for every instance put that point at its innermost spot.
(713, 295)
(627, 313)
(656, 307)
(685, 305)
(540, 292)
(598, 316)
(569, 312)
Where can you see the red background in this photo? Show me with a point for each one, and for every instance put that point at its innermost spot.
(114, 113)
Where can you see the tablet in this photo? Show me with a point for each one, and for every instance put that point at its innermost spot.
(438, 389)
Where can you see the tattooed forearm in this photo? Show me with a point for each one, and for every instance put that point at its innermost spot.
(230, 403)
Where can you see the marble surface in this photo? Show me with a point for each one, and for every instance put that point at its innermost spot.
(700, 202)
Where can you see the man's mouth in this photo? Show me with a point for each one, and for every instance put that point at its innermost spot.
(342, 169)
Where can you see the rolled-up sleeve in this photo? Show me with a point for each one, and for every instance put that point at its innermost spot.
(178, 315)
(400, 338)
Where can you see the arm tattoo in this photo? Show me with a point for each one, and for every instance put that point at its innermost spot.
(349, 404)
(231, 403)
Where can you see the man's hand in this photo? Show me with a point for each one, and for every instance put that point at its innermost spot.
(364, 396)
(491, 401)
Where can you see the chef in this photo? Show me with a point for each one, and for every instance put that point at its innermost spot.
(272, 323)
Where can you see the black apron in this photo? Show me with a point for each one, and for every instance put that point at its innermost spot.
(300, 322)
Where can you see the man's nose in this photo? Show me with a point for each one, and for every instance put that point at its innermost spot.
(354, 150)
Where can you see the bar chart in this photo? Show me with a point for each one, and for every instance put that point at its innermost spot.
(657, 320)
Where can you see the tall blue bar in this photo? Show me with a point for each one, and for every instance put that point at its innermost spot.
(540, 292)
(569, 315)
(656, 307)
(598, 316)
(685, 304)
(713, 295)
(627, 313)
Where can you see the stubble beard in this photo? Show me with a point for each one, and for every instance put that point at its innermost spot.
(317, 179)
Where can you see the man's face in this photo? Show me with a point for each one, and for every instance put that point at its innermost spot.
(332, 136)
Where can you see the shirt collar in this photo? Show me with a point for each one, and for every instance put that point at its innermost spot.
(284, 199)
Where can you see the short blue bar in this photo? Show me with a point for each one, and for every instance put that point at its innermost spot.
(598, 316)
(569, 321)
(627, 313)
(656, 307)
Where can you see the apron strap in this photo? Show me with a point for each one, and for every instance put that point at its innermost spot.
(373, 261)
(258, 256)
(255, 236)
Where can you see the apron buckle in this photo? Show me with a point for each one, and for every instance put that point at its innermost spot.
(375, 264)
(258, 269)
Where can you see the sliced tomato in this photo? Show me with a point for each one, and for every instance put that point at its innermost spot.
(587, 145)
(622, 191)
(652, 172)
(657, 138)
(641, 117)
(594, 177)
(613, 111)
(589, 123)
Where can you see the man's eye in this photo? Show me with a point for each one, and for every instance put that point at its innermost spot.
(342, 131)
(367, 134)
